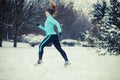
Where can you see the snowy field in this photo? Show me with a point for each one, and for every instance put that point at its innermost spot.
(18, 64)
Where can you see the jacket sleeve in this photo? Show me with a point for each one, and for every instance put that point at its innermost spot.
(41, 27)
(57, 24)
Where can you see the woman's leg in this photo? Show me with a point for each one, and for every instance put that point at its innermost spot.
(46, 41)
(58, 47)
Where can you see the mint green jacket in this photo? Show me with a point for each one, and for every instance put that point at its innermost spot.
(49, 26)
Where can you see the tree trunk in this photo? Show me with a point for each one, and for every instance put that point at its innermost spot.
(0, 38)
(15, 36)
(1, 33)
(7, 35)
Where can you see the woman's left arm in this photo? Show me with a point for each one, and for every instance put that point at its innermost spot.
(57, 24)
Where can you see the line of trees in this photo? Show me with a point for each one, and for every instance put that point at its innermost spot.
(74, 21)
(18, 17)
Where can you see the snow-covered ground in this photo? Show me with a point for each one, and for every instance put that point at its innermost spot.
(18, 64)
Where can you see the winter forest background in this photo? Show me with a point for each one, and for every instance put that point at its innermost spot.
(87, 23)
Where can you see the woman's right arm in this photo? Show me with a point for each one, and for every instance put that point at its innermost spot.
(41, 27)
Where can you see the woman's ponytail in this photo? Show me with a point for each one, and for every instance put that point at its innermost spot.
(53, 6)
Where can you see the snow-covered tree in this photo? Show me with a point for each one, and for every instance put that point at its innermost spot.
(108, 26)
(98, 14)
(110, 29)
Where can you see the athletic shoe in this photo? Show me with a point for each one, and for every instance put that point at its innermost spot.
(67, 63)
(38, 63)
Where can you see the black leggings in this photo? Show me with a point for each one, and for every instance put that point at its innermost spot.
(52, 39)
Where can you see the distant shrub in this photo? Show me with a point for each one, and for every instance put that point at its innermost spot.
(32, 39)
(69, 42)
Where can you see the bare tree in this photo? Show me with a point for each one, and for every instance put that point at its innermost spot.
(3, 13)
(73, 22)
(27, 13)
(18, 13)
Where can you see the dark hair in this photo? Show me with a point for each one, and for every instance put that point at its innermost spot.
(52, 8)
(50, 11)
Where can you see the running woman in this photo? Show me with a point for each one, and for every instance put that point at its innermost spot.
(51, 35)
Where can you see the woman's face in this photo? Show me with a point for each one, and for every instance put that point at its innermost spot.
(47, 13)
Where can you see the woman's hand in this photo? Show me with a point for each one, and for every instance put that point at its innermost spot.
(37, 24)
(59, 36)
